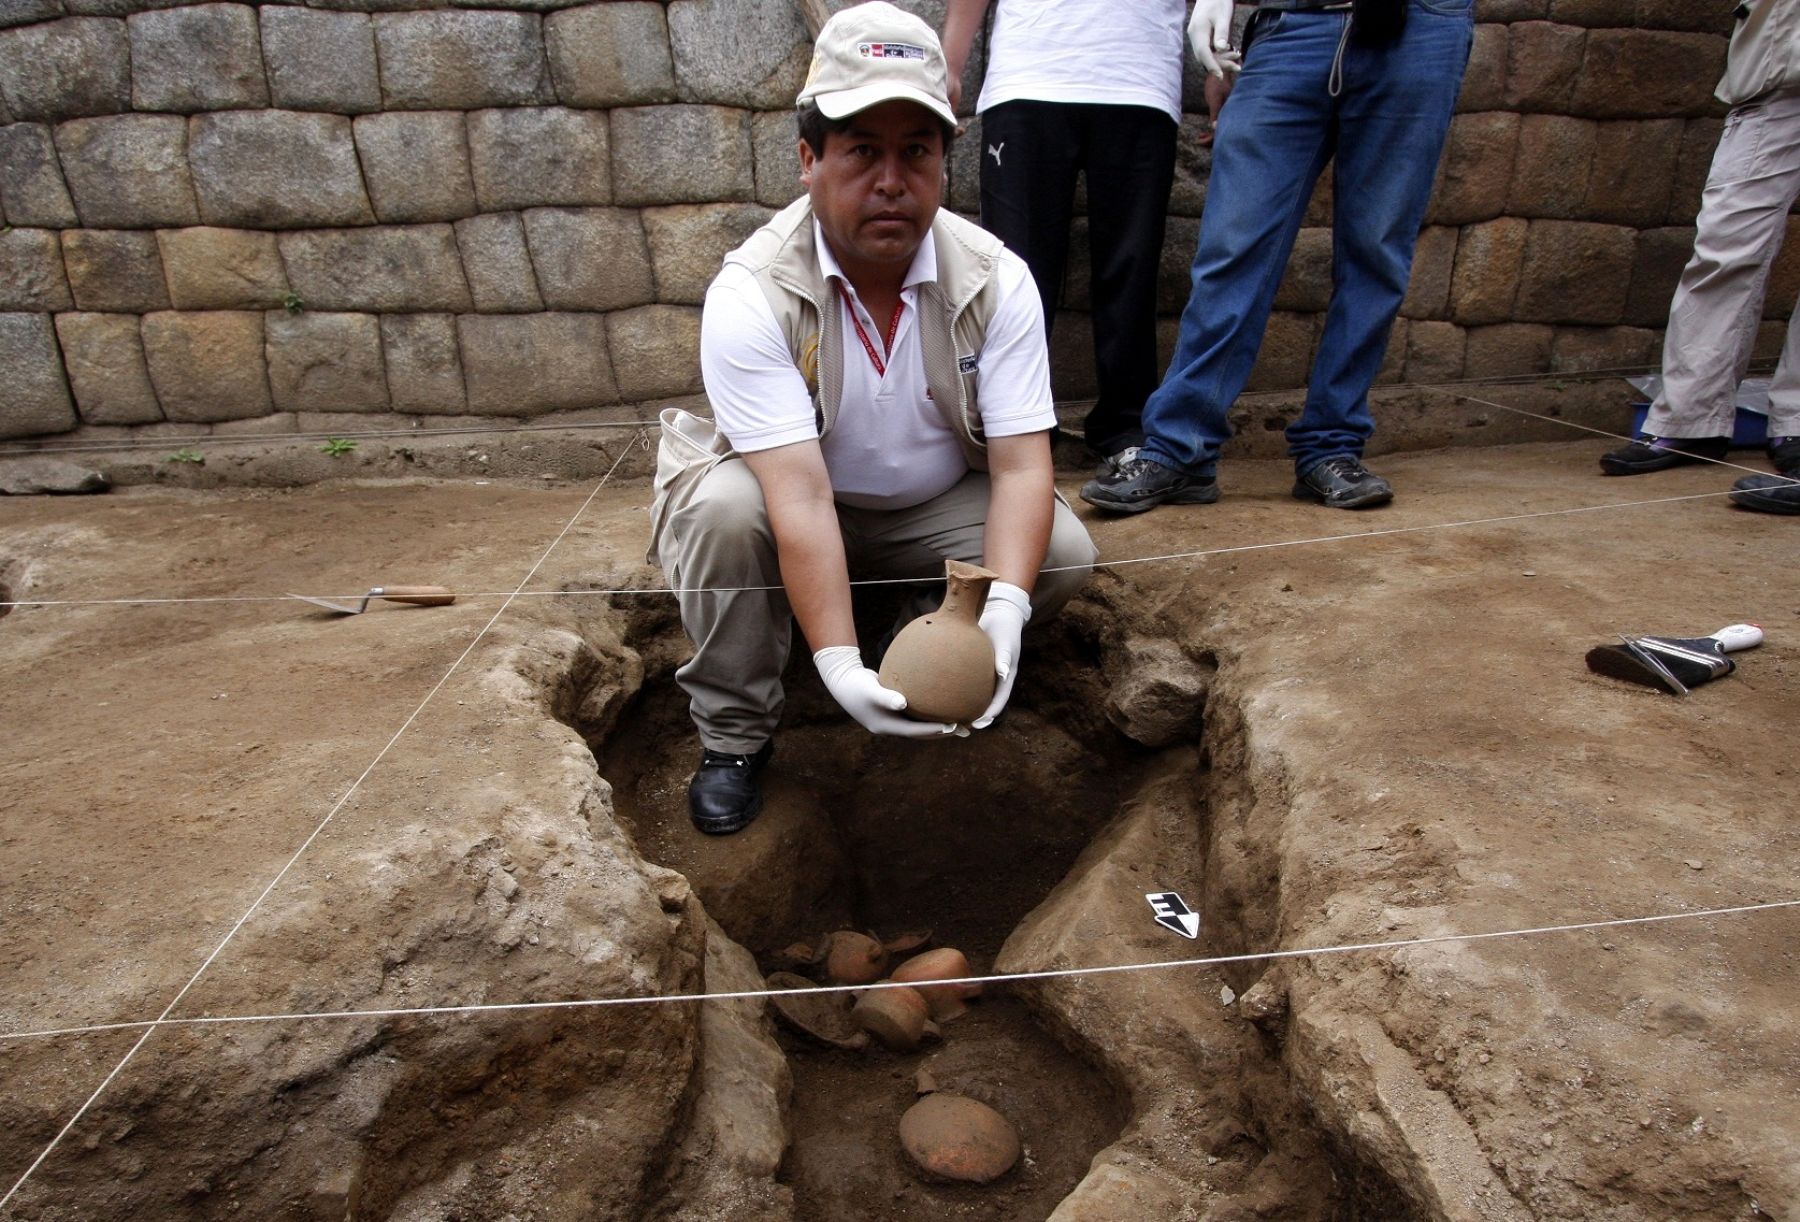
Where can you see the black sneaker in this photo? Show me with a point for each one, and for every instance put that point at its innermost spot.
(1649, 453)
(1768, 493)
(1343, 483)
(725, 795)
(1143, 483)
(1784, 452)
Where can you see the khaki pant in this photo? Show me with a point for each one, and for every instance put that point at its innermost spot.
(1754, 180)
(718, 550)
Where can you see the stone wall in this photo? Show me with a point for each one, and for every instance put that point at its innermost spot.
(246, 219)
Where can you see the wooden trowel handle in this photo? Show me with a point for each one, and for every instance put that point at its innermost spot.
(422, 596)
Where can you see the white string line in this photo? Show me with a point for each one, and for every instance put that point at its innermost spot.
(1588, 428)
(877, 581)
(995, 978)
(127, 444)
(306, 844)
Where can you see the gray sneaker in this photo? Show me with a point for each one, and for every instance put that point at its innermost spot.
(1112, 463)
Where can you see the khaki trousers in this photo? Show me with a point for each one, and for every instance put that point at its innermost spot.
(719, 553)
(1754, 180)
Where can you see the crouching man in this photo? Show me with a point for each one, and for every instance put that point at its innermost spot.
(881, 399)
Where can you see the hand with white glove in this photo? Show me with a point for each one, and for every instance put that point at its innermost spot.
(876, 709)
(1003, 618)
(1209, 34)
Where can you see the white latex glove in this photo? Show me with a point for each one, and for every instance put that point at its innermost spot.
(876, 709)
(1209, 34)
(1003, 618)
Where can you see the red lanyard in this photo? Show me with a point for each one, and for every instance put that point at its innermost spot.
(868, 345)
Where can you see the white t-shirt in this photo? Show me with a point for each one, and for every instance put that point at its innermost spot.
(890, 447)
(1122, 52)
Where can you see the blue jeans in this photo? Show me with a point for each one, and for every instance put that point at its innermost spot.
(1386, 130)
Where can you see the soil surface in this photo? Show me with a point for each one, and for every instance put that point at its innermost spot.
(1407, 681)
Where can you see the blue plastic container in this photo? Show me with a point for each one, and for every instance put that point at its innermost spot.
(1750, 430)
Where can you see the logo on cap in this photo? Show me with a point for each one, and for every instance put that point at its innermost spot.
(889, 50)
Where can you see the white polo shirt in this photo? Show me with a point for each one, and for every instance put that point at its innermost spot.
(890, 447)
(1118, 52)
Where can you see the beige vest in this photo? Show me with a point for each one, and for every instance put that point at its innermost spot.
(954, 311)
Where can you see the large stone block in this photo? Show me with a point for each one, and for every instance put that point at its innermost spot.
(529, 364)
(1434, 352)
(66, 69)
(277, 169)
(655, 351)
(1543, 61)
(325, 362)
(1633, 169)
(1594, 12)
(1484, 81)
(207, 365)
(749, 55)
(416, 165)
(1699, 140)
(1175, 265)
(424, 370)
(590, 258)
(681, 155)
(1286, 353)
(1684, 15)
(1507, 350)
(1661, 256)
(1556, 154)
(1586, 349)
(1193, 167)
(1648, 73)
(497, 264)
(128, 171)
(1306, 284)
(1575, 272)
(197, 57)
(1477, 168)
(104, 357)
(32, 191)
(1511, 10)
(461, 61)
(404, 267)
(1434, 259)
(541, 156)
(222, 269)
(26, 12)
(605, 55)
(776, 141)
(320, 61)
(689, 241)
(1488, 259)
(115, 269)
(31, 271)
(34, 394)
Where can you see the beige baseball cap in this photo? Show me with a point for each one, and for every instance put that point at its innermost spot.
(871, 53)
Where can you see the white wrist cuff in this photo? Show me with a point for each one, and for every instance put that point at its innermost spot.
(1012, 596)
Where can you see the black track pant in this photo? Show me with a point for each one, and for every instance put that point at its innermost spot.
(1031, 153)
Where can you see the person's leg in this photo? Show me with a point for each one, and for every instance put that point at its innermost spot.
(1780, 493)
(1029, 159)
(915, 542)
(1393, 114)
(1274, 136)
(1129, 160)
(1753, 182)
(720, 557)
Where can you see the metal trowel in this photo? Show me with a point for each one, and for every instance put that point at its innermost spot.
(421, 596)
(1671, 663)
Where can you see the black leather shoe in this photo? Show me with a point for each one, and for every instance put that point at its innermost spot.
(725, 795)
(1768, 493)
(1343, 483)
(1649, 453)
(1144, 483)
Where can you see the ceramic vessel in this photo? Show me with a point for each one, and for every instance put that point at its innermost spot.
(951, 1137)
(899, 1018)
(945, 963)
(942, 662)
(854, 958)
